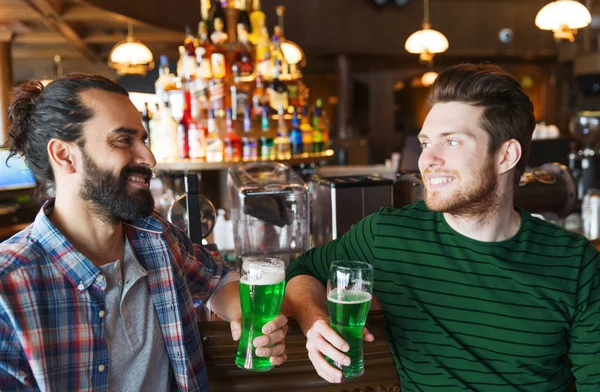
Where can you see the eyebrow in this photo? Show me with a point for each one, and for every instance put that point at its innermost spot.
(446, 134)
(127, 131)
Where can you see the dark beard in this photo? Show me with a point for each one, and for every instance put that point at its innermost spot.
(479, 201)
(108, 194)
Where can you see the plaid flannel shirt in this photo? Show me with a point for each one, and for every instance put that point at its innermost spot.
(51, 329)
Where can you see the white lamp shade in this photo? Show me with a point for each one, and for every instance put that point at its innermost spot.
(291, 52)
(131, 52)
(560, 13)
(426, 40)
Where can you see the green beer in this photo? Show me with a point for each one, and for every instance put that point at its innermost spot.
(261, 292)
(347, 316)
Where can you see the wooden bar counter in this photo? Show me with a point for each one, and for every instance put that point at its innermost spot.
(297, 374)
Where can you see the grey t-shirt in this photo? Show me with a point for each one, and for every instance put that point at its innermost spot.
(137, 357)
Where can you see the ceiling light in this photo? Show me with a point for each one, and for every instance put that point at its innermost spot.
(426, 42)
(563, 17)
(131, 56)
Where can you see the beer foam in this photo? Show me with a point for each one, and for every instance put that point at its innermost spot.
(262, 275)
(360, 296)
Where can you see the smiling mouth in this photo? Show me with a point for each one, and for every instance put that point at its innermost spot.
(139, 179)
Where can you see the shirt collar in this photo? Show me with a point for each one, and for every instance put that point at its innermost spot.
(78, 269)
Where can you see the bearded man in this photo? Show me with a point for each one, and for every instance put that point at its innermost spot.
(99, 292)
(478, 295)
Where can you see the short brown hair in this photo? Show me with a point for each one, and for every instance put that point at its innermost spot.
(508, 110)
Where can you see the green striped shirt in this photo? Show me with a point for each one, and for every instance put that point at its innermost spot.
(468, 315)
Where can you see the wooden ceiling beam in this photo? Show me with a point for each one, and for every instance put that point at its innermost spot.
(43, 53)
(147, 37)
(40, 38)
(88, 13)
(50, 10)
(21, 11)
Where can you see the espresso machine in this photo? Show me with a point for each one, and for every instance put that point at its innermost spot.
(269, 209)
(585, 163)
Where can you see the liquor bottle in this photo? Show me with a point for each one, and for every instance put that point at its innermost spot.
(154, 124)
(323, 124)
(189, 56)
(264, 65)
(267, 145)
(231, 141)
(214, 145)
(257, 20)
(165, 145)
(217, 12)
(317, 135)
(239, 93)
(243, 16)
(165, 81)
(180, 67)
(203, 52)
(277, 90)
(296, 135)
(249, 142)
(183, 126)
(219, 70)
(243, 57)
(282, 141)
(146, 115)
(294, 86)
(259, 98)
(197, 132)
(307, 132)
(218, 55)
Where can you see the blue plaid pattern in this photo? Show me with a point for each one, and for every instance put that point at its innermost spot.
(51, 333)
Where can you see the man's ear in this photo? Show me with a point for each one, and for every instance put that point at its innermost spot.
(63, 156)
(509, 155)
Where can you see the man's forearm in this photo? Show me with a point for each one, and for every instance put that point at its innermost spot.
(306, 300)
(226, 301)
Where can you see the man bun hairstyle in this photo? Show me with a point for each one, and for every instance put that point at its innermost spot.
(508, 112)
(38, 114)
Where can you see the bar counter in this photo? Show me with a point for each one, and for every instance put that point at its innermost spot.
(297, 374)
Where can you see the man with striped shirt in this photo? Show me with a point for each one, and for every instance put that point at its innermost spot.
(99, 293)
(478, 295)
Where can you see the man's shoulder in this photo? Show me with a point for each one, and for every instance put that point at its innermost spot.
(538, 236)
(18, 251)
(416, 210)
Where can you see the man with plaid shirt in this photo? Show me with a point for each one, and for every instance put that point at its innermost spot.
(99, 293)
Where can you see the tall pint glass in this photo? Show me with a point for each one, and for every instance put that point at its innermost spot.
(349, 293)
(262, 287)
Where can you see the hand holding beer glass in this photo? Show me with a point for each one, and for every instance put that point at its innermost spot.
(262, 286)
(349, 293)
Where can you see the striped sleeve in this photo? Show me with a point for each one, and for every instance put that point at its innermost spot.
(584, 334)
(356, 244)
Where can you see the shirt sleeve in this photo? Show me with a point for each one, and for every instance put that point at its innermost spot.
(357, 244)
(15, 372)
(203, 269)
(584, 334)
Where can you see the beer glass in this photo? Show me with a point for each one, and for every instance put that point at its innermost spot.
(349, 293)
(262, 287)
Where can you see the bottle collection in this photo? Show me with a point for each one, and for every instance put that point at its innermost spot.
(234, 98)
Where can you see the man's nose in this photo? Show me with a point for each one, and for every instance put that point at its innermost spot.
(145, 157)
(431, 156)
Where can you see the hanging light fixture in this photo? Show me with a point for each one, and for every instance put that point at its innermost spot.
(426, 42)
(131, 56)
(563, 17)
